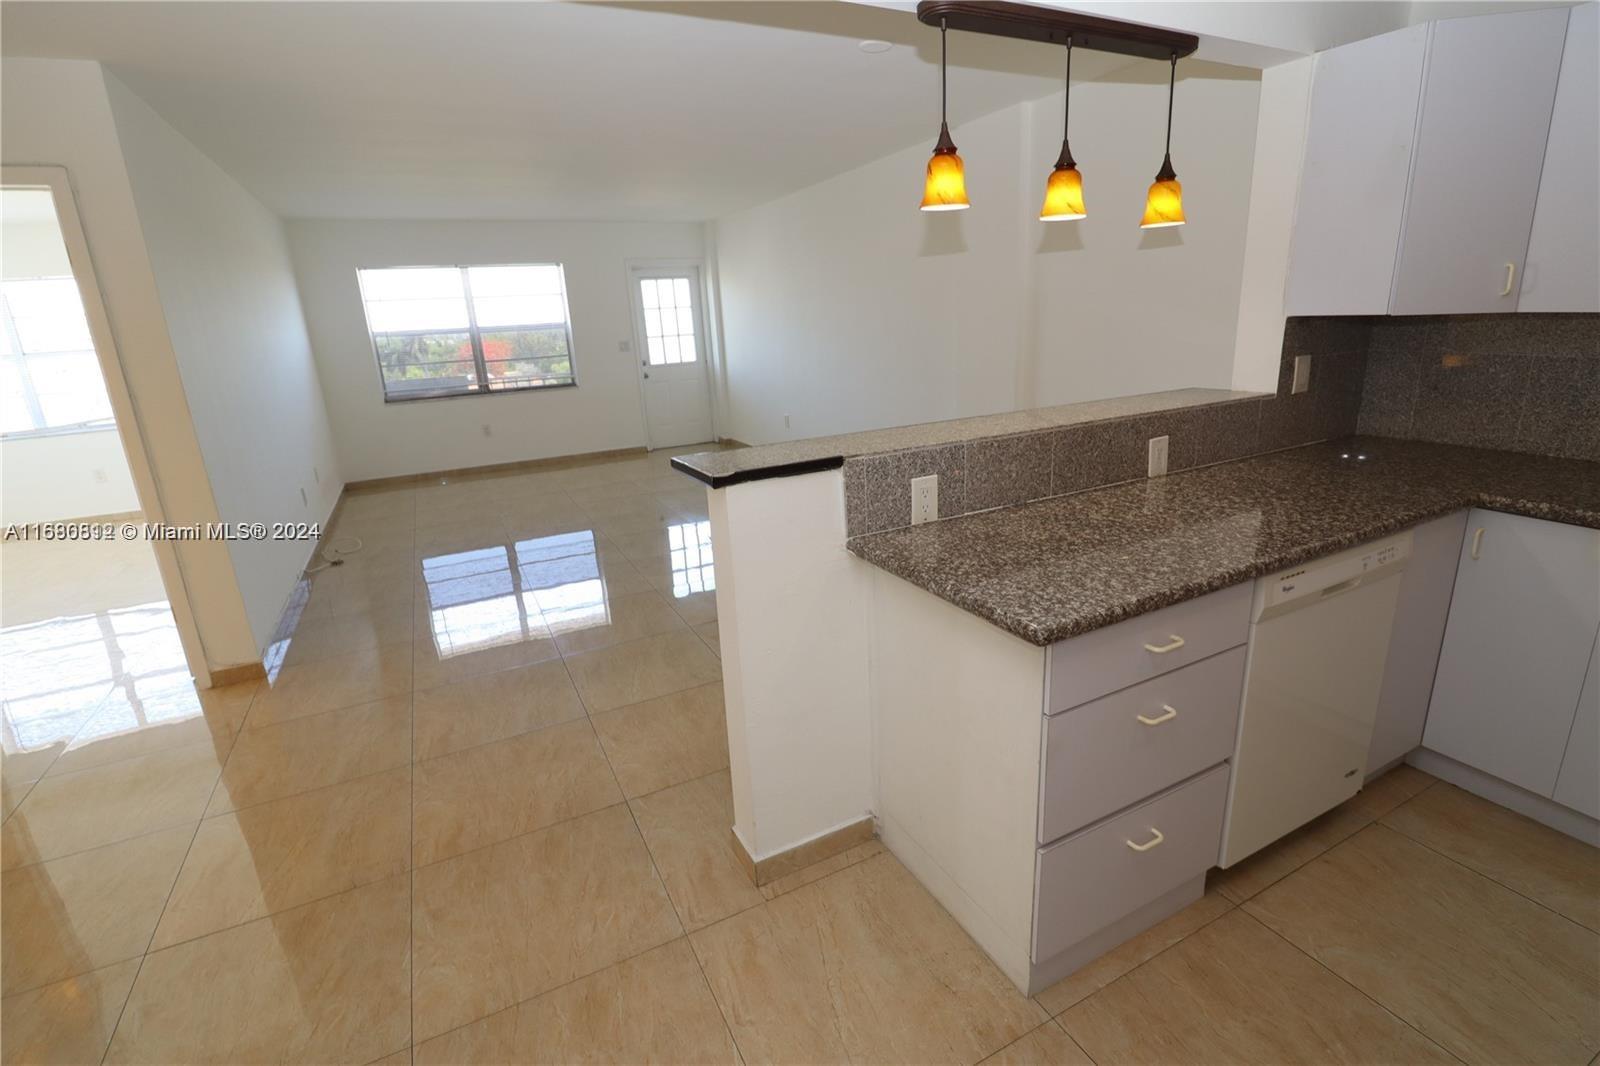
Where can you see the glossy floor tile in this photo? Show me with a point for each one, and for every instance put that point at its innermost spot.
(654, 1007)
(1236, 992)
(1486, 973)
(860, 966)
(1546, 866)
(666, 740)
(511, 921)
(687, 828)
(480, 812)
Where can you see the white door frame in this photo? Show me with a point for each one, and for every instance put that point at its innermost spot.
(123, 407)
(634, 268)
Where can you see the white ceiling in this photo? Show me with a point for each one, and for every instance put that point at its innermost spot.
(536, 110)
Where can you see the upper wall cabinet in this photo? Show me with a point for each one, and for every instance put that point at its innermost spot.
(1422, 169)
(1359, 133)
(1563, 268)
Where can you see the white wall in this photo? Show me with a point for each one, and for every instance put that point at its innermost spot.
(1120, 310)
(66, 475)
(374, 439)
(846, 308)
(57, 112)
(222, 268)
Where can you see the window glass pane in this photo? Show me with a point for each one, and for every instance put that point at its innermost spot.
(668, 320)
(534, 309)
(414, 298)
(426, 322)
(527, 358)
(425, 363)
(48, 315)
(70, 389)
(15, 417)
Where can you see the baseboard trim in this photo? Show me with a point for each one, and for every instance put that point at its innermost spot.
(1545, 811)
(234, 675)
(520, 466)
(765, 871)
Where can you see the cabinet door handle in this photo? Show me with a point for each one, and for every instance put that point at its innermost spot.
(1511, 273)
(1477, 541)
(1171, 713)
(1161, 649)
(1155, 838)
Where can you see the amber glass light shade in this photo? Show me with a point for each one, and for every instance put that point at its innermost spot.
(946, 186)
(1063, 196)
(1164, 204)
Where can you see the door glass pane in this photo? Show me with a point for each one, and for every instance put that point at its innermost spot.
(668, 320)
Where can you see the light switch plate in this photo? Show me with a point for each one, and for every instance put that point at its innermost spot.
(1302, 374)
(924, 499)
(1158, 456)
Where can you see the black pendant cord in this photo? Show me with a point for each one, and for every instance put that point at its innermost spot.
(1172, 87)
(1166, 173)
(945, 146)
(1065, 161)
(944, 78)
(1066, 106)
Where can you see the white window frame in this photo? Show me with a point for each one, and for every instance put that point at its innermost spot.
(480, 366)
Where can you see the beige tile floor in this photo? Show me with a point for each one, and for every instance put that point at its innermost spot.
(479, 813)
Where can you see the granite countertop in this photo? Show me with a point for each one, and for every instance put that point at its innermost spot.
(722, 468)
(1056, 568)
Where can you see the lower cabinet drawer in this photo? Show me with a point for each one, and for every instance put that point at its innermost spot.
(1104, 755)
(1090, 880)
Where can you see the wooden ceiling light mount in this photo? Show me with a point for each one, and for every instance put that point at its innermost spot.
(1053, 26)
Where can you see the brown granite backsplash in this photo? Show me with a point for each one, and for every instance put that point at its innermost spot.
(980, 475)
(1520, 382)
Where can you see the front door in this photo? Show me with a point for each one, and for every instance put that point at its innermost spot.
(672, 364)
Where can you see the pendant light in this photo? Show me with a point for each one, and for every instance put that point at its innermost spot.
(1164, 205)
(1063, 191)
(945, 188)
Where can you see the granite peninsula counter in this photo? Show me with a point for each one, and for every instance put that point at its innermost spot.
(1059, 567)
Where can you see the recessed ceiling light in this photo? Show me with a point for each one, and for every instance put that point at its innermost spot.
(873, 48)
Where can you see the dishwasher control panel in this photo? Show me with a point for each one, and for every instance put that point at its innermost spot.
(1336, 573)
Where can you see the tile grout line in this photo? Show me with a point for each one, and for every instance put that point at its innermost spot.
(1340, 977)
(1470, 869)
(177, 875)
(1056, 1016)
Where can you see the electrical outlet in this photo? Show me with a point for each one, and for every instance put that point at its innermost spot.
(100, 476)
(1158, 456)
(624, 346)
(924, 499)
(1302, 374)
(486, 432)
(785, 421)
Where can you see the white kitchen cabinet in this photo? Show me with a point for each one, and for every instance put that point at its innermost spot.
(1522, 627)
(1419, 621)
(1422, 171)
(1563, 267)
(1578, 784)
(1362, 118)
(1487, 95)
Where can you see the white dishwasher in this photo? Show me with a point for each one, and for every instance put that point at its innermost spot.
(1319, 636)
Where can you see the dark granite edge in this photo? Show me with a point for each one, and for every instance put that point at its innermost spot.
(720, 481)
(1044, 636)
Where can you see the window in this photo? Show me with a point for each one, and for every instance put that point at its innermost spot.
(668, 320)
(465, 331)
(49, 377)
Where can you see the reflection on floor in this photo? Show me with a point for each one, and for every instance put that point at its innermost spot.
(480, 813)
